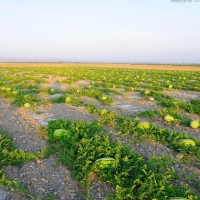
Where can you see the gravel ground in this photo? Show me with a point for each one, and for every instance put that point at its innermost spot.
(183, 95)
(131, 103)
(21, 126)
(45, 177)
(61, 111)
(6, 194)
(57, 86)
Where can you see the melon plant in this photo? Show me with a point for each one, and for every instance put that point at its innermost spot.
(169, 118)
(8, 89)
(68, 100)
(60, 132)
(27, 96)
(144, 125)
(194, 124)
(187, 142)
(104, 163)
(15, 92)
(3, 88)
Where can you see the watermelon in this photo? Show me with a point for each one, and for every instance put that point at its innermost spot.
(151, 99)
(147, 92)
(27, 105)
(3, 88)
(144, 125)
(60, 132)
(187, 142)
(8, 89)
(104, 98)
(15, 92)
(169, 118)
(68, 100)
(52, 91)
(104, 163)
(103, 112)
(194, 124)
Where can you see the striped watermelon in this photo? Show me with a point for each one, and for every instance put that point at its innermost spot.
(68, 100)
(144, 125)
(169, 118)
(27, 105)
(147, 92)
(194, 124)
(60, 132)
(104, 163)
(187, 142)
(104, 98)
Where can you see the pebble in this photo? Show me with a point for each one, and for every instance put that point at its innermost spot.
(3, 194)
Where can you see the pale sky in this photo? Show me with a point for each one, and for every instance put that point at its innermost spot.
(100, 30)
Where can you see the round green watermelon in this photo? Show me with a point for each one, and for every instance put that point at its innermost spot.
(27, 105)
(169, 118)
(104, 98)
(60, 132)
(68, 100)
(144, 125)
(194, 124)
(52, 91)
(187, 142)
(104, 163)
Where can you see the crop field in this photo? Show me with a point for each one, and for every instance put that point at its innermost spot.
(86, 131)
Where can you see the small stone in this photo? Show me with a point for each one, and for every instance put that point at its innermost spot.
(99, 195)
(72, 194)
(21, 175)
(3, 195)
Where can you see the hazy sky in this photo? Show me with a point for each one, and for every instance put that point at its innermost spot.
(100, 30)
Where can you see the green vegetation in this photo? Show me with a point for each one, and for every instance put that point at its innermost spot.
(131, 175)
